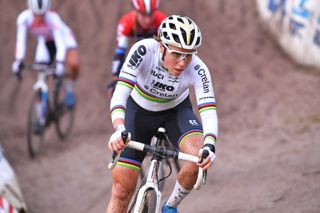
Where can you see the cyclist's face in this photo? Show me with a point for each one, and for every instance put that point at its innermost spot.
(145, 20)
(176, 59)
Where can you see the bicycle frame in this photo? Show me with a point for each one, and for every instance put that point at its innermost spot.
(46, 107)
(41, 86)
(151, 183)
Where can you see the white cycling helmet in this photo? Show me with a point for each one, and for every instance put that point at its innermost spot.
(39, 7)
(180, 31)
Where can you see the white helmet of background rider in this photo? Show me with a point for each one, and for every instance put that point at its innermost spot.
(180, 31)
(39, 7)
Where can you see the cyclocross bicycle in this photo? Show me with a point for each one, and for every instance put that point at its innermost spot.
(147, 198)
(47, 107)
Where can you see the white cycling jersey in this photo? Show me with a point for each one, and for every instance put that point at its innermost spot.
(52, 29)
(155, 89)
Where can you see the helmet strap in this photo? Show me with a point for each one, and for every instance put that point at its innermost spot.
(164, 53)
(161, 59)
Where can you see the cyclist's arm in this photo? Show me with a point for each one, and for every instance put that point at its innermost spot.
(126, 81)
(124, 30)
(21, 36)
(206, 103)
(58, 36)
(119, 54)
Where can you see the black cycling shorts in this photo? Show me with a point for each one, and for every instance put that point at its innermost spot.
(179, 122)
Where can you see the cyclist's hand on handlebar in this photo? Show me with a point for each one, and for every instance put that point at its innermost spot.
(207, 156)
(17, 67)
(116, 143)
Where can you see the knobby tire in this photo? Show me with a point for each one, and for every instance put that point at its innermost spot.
(34, 139)
(149, 203)
(64, 116)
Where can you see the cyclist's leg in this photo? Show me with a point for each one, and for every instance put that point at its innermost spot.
(126, 172)
(73, 62)
(184, 129)
(123, 186)
(72, 55)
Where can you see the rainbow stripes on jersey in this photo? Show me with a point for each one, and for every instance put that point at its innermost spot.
(148, 96)
(211, 137)
(118, 108)
(207, 106)
(126, 82)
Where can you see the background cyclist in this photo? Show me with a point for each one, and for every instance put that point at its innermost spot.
(55, 42)
(142, 22)
(152, 91)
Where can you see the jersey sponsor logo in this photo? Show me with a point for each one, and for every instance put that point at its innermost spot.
(208, 97)
(161, 86)
(136, 57)
(158, 75)
(205, 81)
(173, 79)
(124, 72)
(163, 95)
(193, 122)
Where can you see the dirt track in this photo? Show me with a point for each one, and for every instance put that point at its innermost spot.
(268, 152)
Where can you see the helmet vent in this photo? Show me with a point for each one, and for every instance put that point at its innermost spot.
(172, 26)
(165, 34)
(198, 41)
(190, 22)
(184, 34)
(176, 38)
(180, 20)
(192, 33)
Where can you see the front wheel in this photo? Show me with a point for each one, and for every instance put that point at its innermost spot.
(149, 203)
(64, 115)
(35, 126)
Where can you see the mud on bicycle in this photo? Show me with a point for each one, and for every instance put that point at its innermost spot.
(147, 197)
(47, 106)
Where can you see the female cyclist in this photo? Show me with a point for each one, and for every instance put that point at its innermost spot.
(153, 91)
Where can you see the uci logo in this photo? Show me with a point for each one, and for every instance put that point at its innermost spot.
(136, 57)
(158, 75)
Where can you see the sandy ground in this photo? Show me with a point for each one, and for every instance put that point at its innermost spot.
(268, 151)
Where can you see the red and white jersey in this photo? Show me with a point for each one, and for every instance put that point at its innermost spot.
(51, 29)
(153, 88)
(128, 27)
